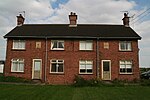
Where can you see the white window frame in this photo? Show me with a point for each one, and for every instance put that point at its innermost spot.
(127, 46)
(18, 62)
(125, 64)
(19, 44)
(58, 41)
(85, 43)
(85, 63)
(57, 65)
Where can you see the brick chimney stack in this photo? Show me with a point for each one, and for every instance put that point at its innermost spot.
(73, 20)
(126, 20)
(20, 20)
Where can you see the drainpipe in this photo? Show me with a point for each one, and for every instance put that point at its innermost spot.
(45, 58)
(97, 58)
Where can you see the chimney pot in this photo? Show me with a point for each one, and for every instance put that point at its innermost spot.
(20, 20)
(126, 20)
(73, 20)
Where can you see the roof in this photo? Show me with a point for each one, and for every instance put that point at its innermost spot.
(91, 31)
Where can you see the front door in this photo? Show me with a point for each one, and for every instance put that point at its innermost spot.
(106, 69)
(36, 71)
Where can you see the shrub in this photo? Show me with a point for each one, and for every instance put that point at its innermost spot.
(81, 82)
(13, 79)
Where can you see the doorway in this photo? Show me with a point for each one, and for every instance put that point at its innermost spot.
(37, 69)
(106, 70)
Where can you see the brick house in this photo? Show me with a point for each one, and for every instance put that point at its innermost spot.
(55, 53)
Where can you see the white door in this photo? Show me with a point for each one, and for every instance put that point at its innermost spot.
(106, 69)
(36, 69)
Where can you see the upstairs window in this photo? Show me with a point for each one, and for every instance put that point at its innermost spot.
(125, 67)
(19, 44)
(106, 45)
(86, 45)
(57, 45)
(125, 46)
(17, 65)
(57, 66)
(85, 67)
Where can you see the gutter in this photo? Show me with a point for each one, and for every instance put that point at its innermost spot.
(73, 37)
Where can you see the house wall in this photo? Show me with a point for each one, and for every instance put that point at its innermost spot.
(71, 56)
(115, 56)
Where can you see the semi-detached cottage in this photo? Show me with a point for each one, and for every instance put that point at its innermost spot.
(55, 53)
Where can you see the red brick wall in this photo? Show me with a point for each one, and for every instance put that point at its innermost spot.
(115, 56)
(71, 56)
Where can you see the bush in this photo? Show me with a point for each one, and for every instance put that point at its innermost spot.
(13, 79)
(81, 82)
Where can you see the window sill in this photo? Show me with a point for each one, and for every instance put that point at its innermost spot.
(18, 49)
(57, 49)
(85, 73)
(56, 73)
(125, 50)
(17, 72)
(87, 50)
(126, 73)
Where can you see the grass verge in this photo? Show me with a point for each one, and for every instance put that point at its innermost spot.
(49, 92)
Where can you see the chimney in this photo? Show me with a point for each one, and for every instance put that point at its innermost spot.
(20, 20)
(126, 20)
(73, 20)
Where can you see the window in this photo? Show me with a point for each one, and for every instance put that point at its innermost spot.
(86, 45)
(57, 66)
(57, 45)
(38, 45)
(86, 67)
(125, 46)
(125, 67)
(18, 44)
(17, 65)
(106, 45)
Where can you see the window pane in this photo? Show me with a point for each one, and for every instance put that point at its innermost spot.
(122, 66)
(82, 46)
(128, 46)
(88, 66)
(122, 70)
(54, 44)
(60, 45)
(60, 68)
(89, 46)
(122, 62)
(82, 70)
(37, 65)
(106, 66)
(53, 68)
(128, 66)
(89, 70)
(122, 45)
(129, 70)
(82, 66)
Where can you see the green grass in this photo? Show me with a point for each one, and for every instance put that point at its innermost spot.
(48, 92)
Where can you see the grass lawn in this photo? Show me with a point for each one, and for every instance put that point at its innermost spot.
(48, 92)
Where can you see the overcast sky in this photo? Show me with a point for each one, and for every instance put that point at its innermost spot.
(88, 11)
